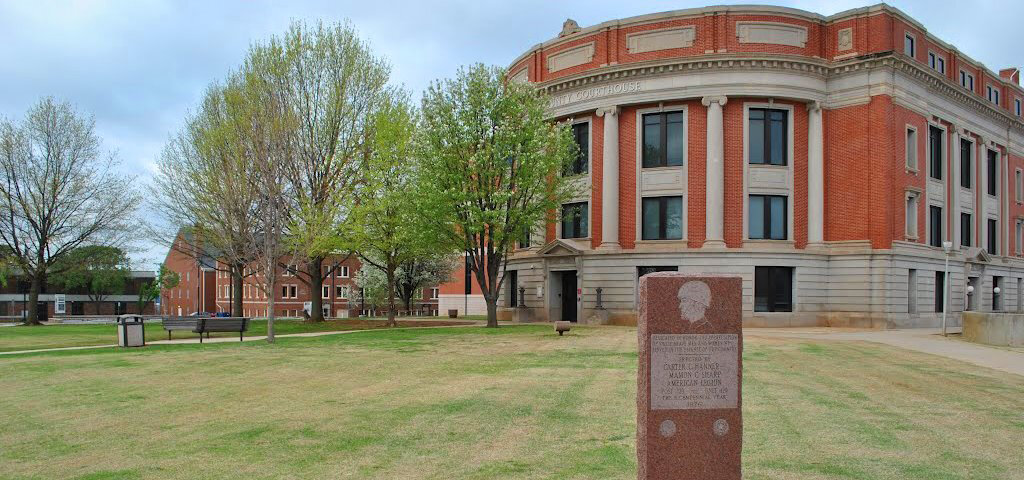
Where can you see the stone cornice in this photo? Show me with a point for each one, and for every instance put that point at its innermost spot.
(691, 64)
(809, 66)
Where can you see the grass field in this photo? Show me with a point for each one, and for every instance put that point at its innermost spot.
(516, 402)
(75, 335)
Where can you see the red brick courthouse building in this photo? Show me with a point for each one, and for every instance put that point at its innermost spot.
(823, 159)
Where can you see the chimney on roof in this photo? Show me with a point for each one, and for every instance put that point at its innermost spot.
(1011, 74)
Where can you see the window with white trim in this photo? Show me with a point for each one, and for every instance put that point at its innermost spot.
(935, 155)
(966, 80)
(937, 62)
(343, 271)
(993, 94)
(1019, 185)
(326, 292)
(909, 45)
(1016, 106)
(911, 215)
(1018, 236)
(911, 148)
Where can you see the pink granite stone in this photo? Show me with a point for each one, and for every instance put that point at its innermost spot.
(689, 421)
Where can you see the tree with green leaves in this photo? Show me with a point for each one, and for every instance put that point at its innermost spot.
(98, 270)
(489, 165)
(59, 191)
(384, 224)
(331, 82)
(166, 279)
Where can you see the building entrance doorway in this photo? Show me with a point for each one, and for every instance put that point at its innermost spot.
(568, 296)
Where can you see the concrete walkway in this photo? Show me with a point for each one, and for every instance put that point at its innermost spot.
(925, 340)
(234, 339)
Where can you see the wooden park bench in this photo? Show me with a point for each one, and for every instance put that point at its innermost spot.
(207, 325)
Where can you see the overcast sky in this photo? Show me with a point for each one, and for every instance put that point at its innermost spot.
(139, 66)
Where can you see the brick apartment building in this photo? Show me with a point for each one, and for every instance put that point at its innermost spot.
(205, 287)
(825, 159)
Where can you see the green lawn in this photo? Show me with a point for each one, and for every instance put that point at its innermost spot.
(71, 335)
(516, 402)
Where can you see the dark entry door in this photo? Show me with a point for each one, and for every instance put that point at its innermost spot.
(42, 312)
(569, 296)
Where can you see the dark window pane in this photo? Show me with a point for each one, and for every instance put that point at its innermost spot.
(778, 141)
(935, 226)
(965, 229)
(574, 220)
(992, 232)
(756, 215)
(756, 140)
(773, 289)
(674, 218)
(652, 140)
(935, 152)
(651, 212)
(641, 271)
(966, 163)
(777, 217)
(581, 133)
(992, 166)
(675, 144)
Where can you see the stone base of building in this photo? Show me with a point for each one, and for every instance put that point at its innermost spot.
(839, 284)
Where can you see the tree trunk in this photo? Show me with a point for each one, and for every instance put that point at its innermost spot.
(492, 311)
(32, 318)
(236, 290)
(316, 289)
(391, 298)
(270, 314)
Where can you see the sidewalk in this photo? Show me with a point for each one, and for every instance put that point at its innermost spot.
(234, 339)
(925, 340)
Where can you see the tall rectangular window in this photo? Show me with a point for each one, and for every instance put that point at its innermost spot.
(993, 171)
(773, 289)
(940, 292)
(524, 240)
(909, 46)
(936, 62)
(966, 226)
(966, 163)
(1018, 236)
(911, 148)
(664, 143)
(1016, 106)
(911, 215)
(662, 218)
(993, 236)
(574, 220)
(934, 226)
(935, 152)
(767, 217)
(768, 130)
(581, 164)
(1018, 183)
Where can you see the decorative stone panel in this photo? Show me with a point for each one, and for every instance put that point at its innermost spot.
(572, 57)
(663, 39)
(521, 76)
(771, 32)
(845, 40)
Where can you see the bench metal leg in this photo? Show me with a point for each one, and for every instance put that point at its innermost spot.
(240, 336)
(200, 337)
(168, 334)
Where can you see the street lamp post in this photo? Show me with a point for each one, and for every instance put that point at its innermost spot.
(948, 248)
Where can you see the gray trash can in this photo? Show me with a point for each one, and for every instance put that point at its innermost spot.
(131, 331)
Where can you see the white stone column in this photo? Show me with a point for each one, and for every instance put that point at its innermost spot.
(715, 174)
(610, 179)
(954, 189)
(815, 176)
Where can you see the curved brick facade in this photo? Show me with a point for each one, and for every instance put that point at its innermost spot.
(852, 90)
